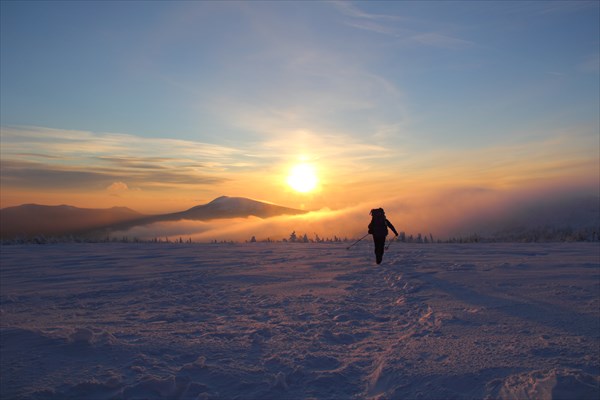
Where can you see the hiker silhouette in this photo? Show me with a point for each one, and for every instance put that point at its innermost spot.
(379, 229)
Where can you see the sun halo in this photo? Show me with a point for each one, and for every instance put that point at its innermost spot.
(302, 178)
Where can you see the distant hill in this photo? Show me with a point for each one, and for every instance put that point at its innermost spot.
(31, 219)
(232, 207)
(220, 208)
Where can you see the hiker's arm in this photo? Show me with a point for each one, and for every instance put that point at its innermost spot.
(389, 224)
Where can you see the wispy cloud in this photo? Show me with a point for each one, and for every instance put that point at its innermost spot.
(82, 177)
(441, 40)
(49, 158)
(524, 159)
(349, 9)
(377, 23)
(323, 147)
(40, 176)
(58, 143)
(405, 29)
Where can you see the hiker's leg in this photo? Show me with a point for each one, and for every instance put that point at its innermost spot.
(379, 245)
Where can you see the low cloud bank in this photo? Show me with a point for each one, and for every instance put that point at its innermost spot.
(444, 214)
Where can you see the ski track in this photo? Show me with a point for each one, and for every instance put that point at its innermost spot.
(300, 321)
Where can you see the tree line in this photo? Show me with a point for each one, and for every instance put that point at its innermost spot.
(523, 235)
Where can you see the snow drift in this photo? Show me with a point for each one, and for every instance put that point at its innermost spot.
(295, 321)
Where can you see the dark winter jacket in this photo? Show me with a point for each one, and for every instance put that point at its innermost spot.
(381, 229)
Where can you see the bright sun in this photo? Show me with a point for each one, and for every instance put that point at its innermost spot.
(302, 178)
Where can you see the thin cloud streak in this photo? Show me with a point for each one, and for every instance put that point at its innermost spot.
(441, 40)
(24, 174)
(67, 144)
(406, 29)
(57, 160)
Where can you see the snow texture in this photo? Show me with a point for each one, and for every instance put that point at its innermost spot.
(300, 321)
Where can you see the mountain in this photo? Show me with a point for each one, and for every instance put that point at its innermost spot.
(232, 207)
(220, 208)
(31, 219)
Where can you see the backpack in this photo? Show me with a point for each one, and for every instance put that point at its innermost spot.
(378, 226)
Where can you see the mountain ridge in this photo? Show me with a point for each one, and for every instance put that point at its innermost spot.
(37, 219)
(32, 219)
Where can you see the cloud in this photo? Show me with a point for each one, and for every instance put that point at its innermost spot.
(441, 40)
(321, 146)
(325, 223)
(40, 176)
(406, 29)
(41, 158)
(360, 19)
(288, 76)
(117, 187)
(351, 10)
(68, 144)
(444, 213)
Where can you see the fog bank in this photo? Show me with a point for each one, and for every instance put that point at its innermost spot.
(442, 213)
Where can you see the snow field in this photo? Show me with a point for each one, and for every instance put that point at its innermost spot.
(300, 321)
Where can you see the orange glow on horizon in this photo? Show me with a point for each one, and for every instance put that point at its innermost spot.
(340, 177)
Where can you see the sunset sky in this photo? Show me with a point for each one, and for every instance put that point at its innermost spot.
(160, 106)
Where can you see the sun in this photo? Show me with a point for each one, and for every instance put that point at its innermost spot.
(302, 178)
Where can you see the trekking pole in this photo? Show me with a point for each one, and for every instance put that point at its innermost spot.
(387, 246)
(348, 248)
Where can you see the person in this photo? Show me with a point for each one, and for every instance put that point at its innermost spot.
(379, 229)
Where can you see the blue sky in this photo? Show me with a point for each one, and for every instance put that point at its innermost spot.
(376, 87)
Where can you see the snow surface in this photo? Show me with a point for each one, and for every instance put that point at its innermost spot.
(300, 321)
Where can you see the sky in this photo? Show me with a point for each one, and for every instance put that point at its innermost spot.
(161, 106)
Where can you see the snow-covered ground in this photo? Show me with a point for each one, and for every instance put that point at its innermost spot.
(300, 321)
